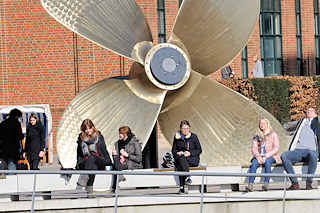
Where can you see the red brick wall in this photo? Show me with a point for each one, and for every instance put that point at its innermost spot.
(289, 41)
(308, 41)
(37, 57)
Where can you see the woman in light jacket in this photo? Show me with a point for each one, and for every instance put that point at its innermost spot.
(265, 147)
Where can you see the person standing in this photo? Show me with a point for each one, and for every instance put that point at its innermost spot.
(257, 70)
(186, 150)
(11, 136)
(35, 141)
(304, 147)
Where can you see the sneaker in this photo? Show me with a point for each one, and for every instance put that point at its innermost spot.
(294, 186)
(188, 181)
(79, 187)
(309, 186)
(265, 186)
(181, 190)
(249, 188)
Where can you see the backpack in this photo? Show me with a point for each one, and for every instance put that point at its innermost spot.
(168, 160)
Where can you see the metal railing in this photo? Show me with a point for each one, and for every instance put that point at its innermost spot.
(202, 174)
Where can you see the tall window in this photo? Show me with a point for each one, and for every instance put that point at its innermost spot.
(244, 62)
(162, 21)
(317, 34)
(299, 39)
(270, 37)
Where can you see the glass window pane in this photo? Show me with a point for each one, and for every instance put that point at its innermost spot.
(244, 69)
(269, 67)
(268, 48)
(261, 47)
(298, 25)
(268, 5)
(299, 55)
(261, 26)
(278, 68)
(277, 5)
(268, 24)
(297, 6)
(317, 48)
(277, 24)
(278, 47)
(316, 24)
(316, 6)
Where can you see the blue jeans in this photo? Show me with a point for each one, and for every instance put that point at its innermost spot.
(297, 155)
(12, 164)
(255, 164)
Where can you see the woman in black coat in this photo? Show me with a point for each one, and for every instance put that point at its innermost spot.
(34, 145)
(92, 153)
(186, 150)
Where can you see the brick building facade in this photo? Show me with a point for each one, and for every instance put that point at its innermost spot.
(42, 62)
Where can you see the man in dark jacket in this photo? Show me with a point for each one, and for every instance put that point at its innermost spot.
(304, 147)
(11, 135)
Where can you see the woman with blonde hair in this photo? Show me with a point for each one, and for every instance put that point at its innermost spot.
(265, 147)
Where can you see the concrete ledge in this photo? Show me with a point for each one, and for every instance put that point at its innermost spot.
(142, 204)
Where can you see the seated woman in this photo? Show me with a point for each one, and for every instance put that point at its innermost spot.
(186, 150)
(264, 148)
(127, 153)
(92, 153)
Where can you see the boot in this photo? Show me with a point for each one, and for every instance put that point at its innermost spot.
(249, 188)
(265, 186)
(294, 186)
(309, 186)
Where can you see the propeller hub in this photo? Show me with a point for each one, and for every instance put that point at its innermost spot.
(167, 66)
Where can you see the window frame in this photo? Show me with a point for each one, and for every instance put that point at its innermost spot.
(162, 33)
(275, 36)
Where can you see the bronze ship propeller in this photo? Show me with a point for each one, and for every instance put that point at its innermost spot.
(168, 81)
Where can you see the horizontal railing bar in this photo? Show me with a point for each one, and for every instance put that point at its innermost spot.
(125, 172)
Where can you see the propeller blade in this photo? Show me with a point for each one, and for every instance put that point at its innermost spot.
(214, 31)
(118, 25)
(110, 103)
(224, 120)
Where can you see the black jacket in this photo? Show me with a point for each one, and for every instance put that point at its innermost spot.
(189, 143)
(102, 153)
(34, 139)
(11, 136)
(315, 126)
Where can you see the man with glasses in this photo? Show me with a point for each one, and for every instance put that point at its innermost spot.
(304, 147)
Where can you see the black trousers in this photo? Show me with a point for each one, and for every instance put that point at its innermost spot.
(117, 166)
(92, 163)
(33, 160)
(182, 165)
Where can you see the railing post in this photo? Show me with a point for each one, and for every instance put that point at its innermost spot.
(284, 195)
(33, 192)
(116, 195)
(202, 189)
